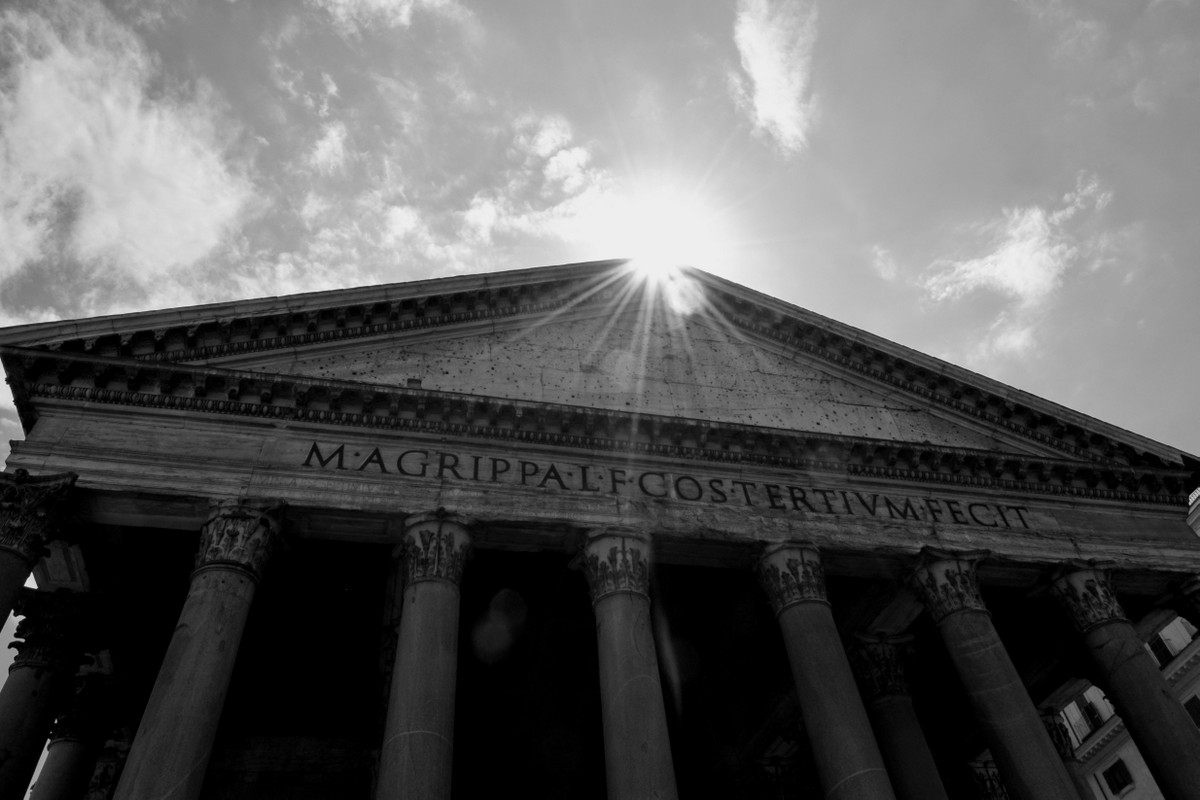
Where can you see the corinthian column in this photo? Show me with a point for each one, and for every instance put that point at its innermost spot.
(75, 742)
(28, 514)
(848, 760)
(878, 663)
(39, 681)
(1163, 731)
(1024, 755)
(637, 750)
(170, 752)
(416, 756)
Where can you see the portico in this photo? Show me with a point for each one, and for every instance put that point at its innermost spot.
(455, 539)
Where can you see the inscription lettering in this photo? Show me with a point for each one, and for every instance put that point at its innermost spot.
(629, 482)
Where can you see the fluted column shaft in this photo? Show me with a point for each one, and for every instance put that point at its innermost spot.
(1020, 746)
(1165, 735)
(637, 749)
(169, 756)
(39, 680)
(416, 756)
(878, 664)
(29, 509)
(848, 760)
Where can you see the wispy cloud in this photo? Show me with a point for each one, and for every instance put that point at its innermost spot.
(775, 40)
(101, 175)
(1029, 251)
(329, 153)
(884, 263)
(1145, 56)
(354, 16)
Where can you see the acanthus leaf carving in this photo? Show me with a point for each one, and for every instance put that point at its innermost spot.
(616, 560)
(945, 582)
(791, 573)
(241, 534)
(878, 664)
(435, 547)
(1083, 591)
(29, 510)
(57, 630)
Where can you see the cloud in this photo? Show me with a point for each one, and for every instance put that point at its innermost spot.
(1077, 35)
(1144, 56)
(328, 155)
(102, 175)
(354, 16)
(775, 40)
(1029, 252)
(884, 263)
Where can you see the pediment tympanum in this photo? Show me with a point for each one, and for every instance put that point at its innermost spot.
(689, 368)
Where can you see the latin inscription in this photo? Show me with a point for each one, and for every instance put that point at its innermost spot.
(597, 479)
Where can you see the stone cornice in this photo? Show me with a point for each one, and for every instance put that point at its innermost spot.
(284, 323)
(213, 390)
(1099, 738)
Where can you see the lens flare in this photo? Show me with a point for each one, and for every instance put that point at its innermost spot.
(665, 228)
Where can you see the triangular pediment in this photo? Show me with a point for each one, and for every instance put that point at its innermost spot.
(590, 339)
(693, 367)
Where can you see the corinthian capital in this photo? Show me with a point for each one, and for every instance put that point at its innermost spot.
(945, 582)
(791, 573)
(878, 664)
(28, 507)
(240, 534)
(617, 560)
(435, 546)
(57, 629)
(1083, 591)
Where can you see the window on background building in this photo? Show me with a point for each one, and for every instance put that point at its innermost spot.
(1088, 711)
(1170, 641)
(1193, 708)
(1117, 777)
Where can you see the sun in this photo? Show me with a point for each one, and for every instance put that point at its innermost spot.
(664, 228)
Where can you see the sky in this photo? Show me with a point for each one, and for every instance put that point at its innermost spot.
(1010, 185)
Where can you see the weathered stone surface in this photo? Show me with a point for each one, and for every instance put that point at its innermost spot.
(559, 362)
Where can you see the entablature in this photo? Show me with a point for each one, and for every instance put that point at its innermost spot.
(38, 376)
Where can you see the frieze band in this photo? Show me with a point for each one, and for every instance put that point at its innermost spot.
(684, 488)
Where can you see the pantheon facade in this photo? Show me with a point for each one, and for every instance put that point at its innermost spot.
(567, 532)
